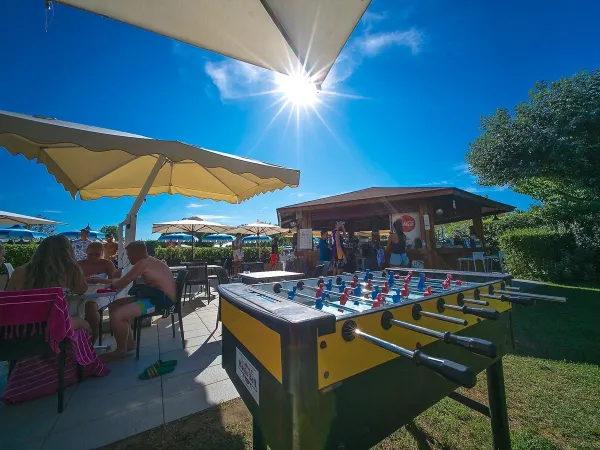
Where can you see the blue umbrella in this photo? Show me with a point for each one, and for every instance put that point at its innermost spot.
(218, 238)
(177, 237)
(255, 238)
(19, 233)
(73, 235)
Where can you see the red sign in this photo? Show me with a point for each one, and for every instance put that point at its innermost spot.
(408, 223)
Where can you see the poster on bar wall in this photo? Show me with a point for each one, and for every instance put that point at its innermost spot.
(411, 225)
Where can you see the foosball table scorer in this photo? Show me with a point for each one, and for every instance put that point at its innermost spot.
(342, 362)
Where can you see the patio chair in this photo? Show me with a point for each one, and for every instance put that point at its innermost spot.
(173, 262)
(23, 320)
(499, 258)
(137, 323)
(228, 265)
(197, 276)
(223, 279)
(464, 260)
(9, 271)
(479, 256)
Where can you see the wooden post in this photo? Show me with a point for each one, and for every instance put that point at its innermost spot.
(428, 236)
(478, 227)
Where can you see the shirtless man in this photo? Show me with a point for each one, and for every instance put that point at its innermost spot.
(158, 293)
(110, 249)
(96, 270)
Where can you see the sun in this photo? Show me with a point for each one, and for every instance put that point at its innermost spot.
(298, 90)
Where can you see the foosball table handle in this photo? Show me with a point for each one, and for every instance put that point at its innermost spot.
(525, 301)
(484, 313)
(476, 345)
(451, 371)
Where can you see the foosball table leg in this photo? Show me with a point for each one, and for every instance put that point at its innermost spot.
(258, 440)
(497, 401)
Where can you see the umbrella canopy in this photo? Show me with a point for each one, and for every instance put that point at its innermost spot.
(96, 162)
(191, 225)
(177, 237)
(218, 238)
(8, 218)
(258, 228)
(73, 235)
(286, 36)
(252, 239)
(19, 233)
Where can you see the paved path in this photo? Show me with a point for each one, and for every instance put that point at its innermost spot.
(104, 410)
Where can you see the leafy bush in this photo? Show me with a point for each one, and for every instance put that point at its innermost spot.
(211, 253)
(547, 255)
(19, 254)
(151, 246)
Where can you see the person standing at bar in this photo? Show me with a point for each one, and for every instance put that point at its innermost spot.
(324, 252)
(396, 246)
(338, 253)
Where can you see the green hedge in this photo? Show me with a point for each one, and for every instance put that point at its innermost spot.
(545, 254)
(211, 253)
(19, 254)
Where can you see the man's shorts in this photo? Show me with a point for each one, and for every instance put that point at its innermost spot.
(339, 264)
(151, 299)
(238, 255)
(274, 258)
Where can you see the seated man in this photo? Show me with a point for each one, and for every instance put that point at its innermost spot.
(158, 293)
(96, 270)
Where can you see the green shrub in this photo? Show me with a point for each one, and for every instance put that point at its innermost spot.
(19, 254)
(547, 255)
(151, 246)
(211, 253)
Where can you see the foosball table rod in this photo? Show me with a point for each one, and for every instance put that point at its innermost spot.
(453, 372)
(417, 312)
(549, 298)
(476, 345)
(525, 301)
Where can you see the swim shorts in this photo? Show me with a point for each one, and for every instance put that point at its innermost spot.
(151, 299)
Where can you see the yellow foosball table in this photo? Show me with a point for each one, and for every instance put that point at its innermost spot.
(342, 362)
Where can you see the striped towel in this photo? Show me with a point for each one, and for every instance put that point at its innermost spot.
(38, 376)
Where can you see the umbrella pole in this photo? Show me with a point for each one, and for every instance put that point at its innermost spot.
(130, 221)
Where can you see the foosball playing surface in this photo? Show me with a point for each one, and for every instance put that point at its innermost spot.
(344, 361)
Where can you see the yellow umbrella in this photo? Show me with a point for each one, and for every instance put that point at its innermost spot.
(288, 36)
(96, 162)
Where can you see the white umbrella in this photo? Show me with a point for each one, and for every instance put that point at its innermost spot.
(258, 229)
(287, 36)
(8, 218)
(191, 225)
(97, 162)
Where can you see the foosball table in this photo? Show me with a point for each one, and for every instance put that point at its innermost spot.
(342, 362)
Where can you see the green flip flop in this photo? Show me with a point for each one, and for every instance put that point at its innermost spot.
(158, 369)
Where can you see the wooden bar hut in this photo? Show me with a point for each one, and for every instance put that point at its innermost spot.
(421, 209)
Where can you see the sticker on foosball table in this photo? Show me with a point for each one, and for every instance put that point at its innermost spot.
(247, 373)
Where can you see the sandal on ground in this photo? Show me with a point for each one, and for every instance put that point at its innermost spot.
(158, 369)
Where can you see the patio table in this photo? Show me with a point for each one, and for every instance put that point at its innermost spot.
(269, 276)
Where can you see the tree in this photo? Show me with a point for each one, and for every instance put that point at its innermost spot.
(46, 228)
(110, 230)
(548, 147)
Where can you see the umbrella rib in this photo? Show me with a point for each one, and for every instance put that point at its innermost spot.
(111, 171)
(224, 185)
(283, 32)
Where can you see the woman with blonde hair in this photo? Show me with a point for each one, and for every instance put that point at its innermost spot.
(52, 265)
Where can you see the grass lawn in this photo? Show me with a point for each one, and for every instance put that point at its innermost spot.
(552, 384)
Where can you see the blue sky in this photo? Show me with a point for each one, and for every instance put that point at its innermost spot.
(417, 76)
